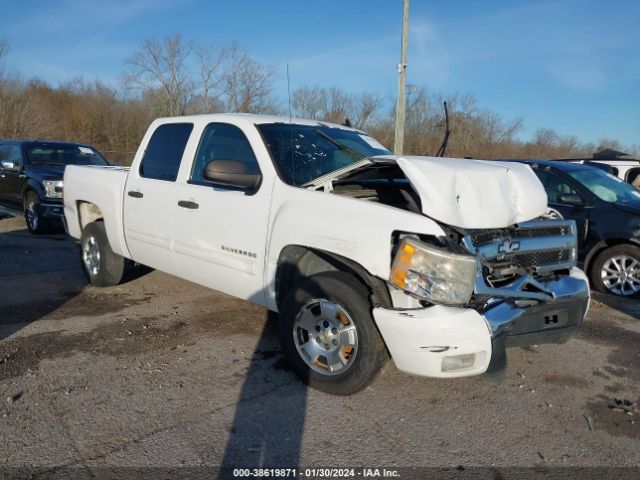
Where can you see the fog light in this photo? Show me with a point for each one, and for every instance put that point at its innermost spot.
(458, 362)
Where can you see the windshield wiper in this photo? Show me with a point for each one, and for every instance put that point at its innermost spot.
(340, 145)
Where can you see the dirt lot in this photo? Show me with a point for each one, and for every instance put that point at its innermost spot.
(161, 372)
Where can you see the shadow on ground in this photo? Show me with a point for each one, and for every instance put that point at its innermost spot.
(267, 430)
(627, 305)
(38, 274)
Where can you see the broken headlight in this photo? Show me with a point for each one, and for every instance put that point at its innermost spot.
(433, 274)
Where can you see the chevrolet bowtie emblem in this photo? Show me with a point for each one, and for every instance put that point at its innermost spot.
(508, 246)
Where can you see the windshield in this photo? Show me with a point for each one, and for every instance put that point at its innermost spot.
(606, 186)
(305, 152)
(63, 154)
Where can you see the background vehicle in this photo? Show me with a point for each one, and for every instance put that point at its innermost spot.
(31, 178)
(442, 263)
(607, 215)
(617, 163)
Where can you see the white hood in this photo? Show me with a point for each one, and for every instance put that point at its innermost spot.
(475, 193)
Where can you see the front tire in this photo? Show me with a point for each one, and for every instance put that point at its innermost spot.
(617, 270)
(36, 223)
(103, 267)
(328, 335)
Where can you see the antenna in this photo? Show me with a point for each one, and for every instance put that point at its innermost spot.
(445, 140)
(293, 165)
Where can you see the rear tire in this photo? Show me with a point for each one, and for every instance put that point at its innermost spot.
(36, 223)
(328, 335)
(103, 267)
(616, 270)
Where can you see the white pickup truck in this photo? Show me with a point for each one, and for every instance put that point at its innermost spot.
(440, 263)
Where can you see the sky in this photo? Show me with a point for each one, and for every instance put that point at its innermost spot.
(569, 65)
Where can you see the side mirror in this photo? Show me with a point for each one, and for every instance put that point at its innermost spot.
(571, 199)
(9, 165)
(231, 173)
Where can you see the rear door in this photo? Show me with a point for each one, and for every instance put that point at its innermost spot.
(150, 197)
(220, 232)
(11, 180)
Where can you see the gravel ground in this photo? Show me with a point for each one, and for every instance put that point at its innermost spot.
(161, 372)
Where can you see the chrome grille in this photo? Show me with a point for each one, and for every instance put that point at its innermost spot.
(482, 237)
(530, 260)
(539, 246)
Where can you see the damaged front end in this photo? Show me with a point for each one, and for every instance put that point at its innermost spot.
(502, 275)
(513, 286)
(527, 286)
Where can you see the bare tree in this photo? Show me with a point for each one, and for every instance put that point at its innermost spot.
(162, 65)
(365, 108)
(247, 83)
(210, 77)
(309, 102)
(336, 105)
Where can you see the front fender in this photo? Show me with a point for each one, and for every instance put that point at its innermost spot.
(36, 186)
(358, 230)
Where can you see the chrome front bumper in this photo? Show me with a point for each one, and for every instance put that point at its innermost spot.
(554, 321)
(423, 341)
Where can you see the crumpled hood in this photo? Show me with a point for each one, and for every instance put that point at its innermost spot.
(475, 193)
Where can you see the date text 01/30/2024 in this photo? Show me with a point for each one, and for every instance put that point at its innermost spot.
(315, 473)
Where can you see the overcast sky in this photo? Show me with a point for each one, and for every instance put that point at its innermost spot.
(570, 65)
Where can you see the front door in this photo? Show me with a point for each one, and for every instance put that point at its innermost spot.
(556, 186)
(220, 232)
(150, 197)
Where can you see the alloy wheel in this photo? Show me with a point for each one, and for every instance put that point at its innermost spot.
(621, 275)
(326, 337)
(32, 215)
(91, 256)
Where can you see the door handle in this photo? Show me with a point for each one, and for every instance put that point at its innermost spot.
(135, 194)
(187, 204)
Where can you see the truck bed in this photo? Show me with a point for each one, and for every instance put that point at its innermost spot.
(101, 186)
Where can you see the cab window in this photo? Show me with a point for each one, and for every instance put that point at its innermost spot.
(164, 152)
(221, 141)
(5, 150)
(15, 156)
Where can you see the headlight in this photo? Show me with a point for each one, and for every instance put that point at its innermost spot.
(52, 188)
(433, 274)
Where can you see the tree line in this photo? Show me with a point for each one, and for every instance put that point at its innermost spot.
(172, 76)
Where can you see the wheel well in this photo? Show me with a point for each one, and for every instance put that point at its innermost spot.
(26, 194)
(88, 212)
(296, 262)
(601, 246)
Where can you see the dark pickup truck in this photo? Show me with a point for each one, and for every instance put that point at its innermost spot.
(31, 175)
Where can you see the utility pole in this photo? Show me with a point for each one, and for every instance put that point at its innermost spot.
(402, 78)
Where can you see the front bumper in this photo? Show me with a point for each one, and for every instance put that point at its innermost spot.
(52, 211)
(423, 341)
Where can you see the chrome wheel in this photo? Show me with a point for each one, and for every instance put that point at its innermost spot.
(325, 336)
(91, 256)
(621, 275)
(32, 215)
